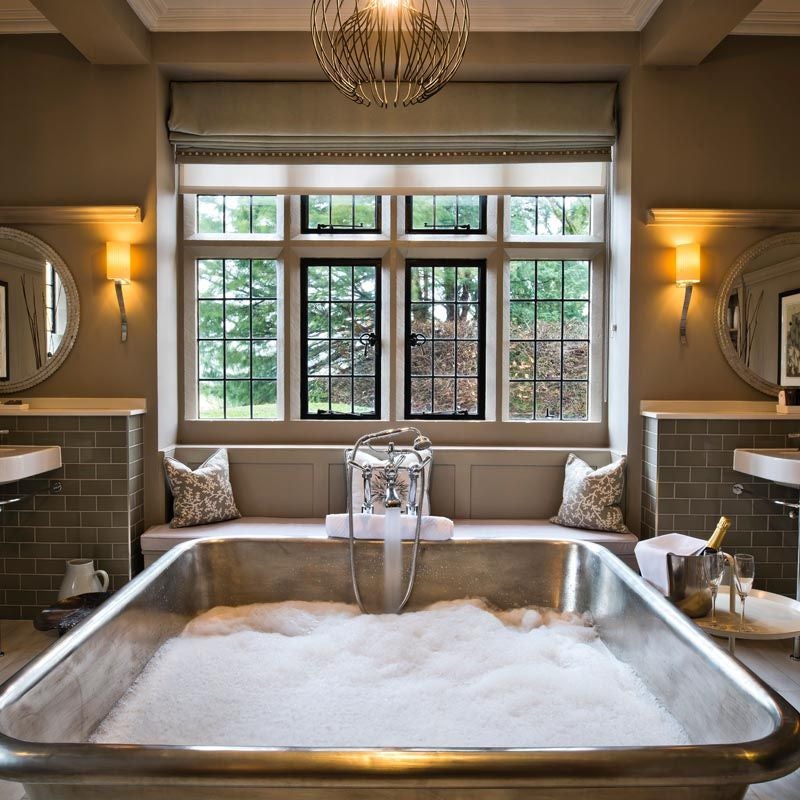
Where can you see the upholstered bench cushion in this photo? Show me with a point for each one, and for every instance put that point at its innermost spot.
(159, 539)
(621, 544)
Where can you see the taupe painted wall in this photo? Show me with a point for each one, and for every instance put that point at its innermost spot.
(76, 134)
(722, 135)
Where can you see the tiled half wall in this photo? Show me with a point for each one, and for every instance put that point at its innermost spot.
(686, 486)
(99, 513)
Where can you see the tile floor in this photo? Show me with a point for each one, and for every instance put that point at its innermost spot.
(769, 660)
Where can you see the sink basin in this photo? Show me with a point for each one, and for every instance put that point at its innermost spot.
(778, 464)
(18, 461)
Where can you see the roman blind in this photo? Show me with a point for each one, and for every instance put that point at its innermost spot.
(290, 122)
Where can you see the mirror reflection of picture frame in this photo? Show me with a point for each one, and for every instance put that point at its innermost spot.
(789, 338)
(4, 350)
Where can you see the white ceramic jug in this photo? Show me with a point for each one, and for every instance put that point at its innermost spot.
(81, 577)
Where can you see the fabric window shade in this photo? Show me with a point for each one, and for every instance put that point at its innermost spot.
(280, 122)
(300, 177)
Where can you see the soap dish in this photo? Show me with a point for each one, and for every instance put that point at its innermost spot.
(14, 406)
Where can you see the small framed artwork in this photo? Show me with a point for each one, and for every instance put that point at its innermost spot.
(4, 331)
(789, 338)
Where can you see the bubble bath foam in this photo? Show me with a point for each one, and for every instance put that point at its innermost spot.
(455, 675)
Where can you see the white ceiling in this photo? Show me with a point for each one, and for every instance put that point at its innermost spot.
(771, 17)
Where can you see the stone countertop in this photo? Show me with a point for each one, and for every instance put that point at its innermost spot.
(714, 409)
(74, 407)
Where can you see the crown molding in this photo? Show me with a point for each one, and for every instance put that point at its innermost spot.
(149, 11)
(214, 15)
(20, 261)
(725, 218)
(23, 18)
(64, 215)
(208, 16)
(770, 23)
(641, 11)
(772, 271)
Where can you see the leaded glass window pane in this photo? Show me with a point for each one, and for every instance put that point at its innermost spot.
(445, 339)
(545, 215)
(227, 215)
(237, 338)
(340, 358)
(340, 213)
(455, 214)
(549, 340)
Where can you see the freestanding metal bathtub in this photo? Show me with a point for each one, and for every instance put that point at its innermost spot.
(742, 732)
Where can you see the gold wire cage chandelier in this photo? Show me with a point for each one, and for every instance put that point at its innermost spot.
(389, 52)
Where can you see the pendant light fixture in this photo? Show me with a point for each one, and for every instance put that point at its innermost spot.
(389, 52)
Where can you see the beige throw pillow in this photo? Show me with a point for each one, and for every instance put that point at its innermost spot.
(203, 495)
(592, 497)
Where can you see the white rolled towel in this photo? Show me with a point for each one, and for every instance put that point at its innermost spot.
(370, 526)
(651, 556)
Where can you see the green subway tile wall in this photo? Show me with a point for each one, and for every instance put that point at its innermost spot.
(687, 475)
(99, 513)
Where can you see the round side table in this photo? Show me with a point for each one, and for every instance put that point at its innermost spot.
(767, 616)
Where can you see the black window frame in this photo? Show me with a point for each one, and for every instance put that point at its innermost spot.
(305, 228)
(50, 304)
(456, 231)
(481, 265)
(305, 263)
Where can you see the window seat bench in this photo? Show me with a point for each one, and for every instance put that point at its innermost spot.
(160, 538)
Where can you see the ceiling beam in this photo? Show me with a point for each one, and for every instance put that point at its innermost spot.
(683, 32)
(289, 55)
(104, 31)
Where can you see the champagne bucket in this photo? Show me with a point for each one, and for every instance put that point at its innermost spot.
(689, 578)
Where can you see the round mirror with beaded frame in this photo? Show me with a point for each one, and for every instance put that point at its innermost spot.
(41, 310)
(746, 312)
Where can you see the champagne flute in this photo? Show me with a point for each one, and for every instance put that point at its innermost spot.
(716, 569)
(744, 572)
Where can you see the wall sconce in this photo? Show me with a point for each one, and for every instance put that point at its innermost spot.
(687, 274)
(118, 269)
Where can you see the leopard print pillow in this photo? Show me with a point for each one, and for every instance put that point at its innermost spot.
(203, 495)
(592, 497)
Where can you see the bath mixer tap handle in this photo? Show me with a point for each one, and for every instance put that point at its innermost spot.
(366, 475)
(413, 478)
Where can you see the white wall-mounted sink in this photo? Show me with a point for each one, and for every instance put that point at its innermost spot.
(23, 461)
(779, 464)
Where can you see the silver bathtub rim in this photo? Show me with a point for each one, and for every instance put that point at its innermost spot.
(745, 762)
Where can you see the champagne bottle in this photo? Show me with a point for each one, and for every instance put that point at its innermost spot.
(715, 540)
